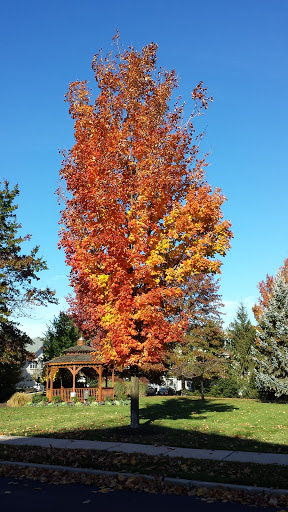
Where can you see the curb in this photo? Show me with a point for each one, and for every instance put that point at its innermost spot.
(175, 481)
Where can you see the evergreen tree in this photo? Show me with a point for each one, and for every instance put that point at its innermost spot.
(18, 271)
(61, 334)
(241, 336)
(271, 350)
(13, 356)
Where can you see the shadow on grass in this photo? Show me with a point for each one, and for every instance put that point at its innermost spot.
(181, 408)
(177, 408)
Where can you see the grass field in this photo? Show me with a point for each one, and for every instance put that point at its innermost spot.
(233, 424)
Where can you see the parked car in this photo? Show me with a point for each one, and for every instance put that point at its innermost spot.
(163, 391)
(151, 391)
(171, 391)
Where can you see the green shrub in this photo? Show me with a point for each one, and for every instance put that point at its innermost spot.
(75, 399)
(37, 398)
(121, 389)
(250, 390)
(91, 399)
(226, 388)
(56, 399)
(108, 399)
(142, 388)
(19, 400)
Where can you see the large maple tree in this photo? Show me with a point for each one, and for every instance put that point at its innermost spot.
(139, 216)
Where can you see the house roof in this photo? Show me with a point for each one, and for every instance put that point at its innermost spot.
(36, 346)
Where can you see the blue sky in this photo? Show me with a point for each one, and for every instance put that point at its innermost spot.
(238, 49)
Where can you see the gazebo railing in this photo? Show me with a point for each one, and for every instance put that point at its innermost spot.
(65, 393)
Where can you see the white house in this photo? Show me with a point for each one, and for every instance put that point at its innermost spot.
(33, 369)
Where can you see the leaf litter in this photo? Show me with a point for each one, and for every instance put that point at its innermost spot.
(106, 483)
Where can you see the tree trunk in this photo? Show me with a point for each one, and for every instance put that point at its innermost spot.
(182, 386)
(202, 389)
(135, 401)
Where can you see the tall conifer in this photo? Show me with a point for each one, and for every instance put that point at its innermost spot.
(241, 336)
(271, 353)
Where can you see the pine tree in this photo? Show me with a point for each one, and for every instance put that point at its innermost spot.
(18, 271)
(18, 274)
(61, 334)
(271, 351)
(241, 335)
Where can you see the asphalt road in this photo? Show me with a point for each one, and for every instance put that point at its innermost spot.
(32, 496)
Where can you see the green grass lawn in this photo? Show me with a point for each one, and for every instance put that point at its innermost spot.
(232, 424)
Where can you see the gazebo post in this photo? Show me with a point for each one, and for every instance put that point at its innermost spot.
(51, 382)
(113, 381)
(100, 384)
(47, 381)
(74, 378)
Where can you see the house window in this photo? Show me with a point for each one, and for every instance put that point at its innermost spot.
(33, 365)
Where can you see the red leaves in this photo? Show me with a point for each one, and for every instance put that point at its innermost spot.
(139, 217)
(266, 290)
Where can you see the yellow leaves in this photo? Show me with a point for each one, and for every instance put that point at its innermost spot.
(107, 319)
(154, 260)
(164, 245)
(103, 280)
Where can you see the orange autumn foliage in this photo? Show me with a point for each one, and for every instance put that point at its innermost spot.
(266, 291)
(139, 216)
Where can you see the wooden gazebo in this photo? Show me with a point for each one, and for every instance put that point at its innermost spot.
(76, 359)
